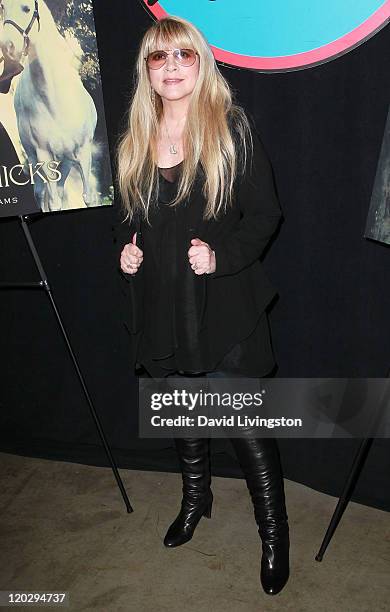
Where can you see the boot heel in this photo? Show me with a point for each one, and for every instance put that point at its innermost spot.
(207, 511)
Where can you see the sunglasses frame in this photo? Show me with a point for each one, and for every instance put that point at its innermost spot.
(172, 52)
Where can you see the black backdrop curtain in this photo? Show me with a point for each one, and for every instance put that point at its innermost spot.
(322, 128)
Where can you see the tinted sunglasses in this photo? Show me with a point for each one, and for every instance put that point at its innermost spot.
(184, 57)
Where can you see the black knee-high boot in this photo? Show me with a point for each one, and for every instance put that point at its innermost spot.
(197, 496)
(260, 462)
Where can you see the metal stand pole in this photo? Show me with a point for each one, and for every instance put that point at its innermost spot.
(352, 478)
(348, 488)
(44, 284)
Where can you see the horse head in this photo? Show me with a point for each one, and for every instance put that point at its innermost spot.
(21, 23)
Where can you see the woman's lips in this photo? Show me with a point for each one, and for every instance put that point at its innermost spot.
(172, 81)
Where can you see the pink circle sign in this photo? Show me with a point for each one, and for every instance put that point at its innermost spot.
(279, 36)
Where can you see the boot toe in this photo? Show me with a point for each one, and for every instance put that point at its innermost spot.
(273, 584)
(173, 539)
(173, 542)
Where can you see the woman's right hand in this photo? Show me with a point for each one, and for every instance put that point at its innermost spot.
(131, 257)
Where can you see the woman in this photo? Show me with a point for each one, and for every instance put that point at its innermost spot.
(194, 177)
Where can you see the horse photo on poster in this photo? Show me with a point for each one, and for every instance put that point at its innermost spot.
(52, 108)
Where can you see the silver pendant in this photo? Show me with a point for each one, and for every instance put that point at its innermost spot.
(172, 149)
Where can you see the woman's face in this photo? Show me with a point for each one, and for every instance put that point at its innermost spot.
(173, 81)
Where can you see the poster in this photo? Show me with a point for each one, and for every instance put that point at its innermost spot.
(378, 218)
(54, 153)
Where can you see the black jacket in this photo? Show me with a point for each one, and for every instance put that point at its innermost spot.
(234, 296)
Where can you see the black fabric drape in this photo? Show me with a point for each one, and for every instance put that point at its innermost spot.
(322, 128)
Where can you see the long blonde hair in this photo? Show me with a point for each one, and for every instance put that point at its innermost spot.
(215, 134)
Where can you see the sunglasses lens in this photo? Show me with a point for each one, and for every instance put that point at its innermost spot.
(184, 57)
(156, 59)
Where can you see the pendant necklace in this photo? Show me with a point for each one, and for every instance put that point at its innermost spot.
(172, 146)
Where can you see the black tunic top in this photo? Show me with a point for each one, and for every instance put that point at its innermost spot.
(170, 295)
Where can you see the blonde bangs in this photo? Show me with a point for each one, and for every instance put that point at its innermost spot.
(171, 34)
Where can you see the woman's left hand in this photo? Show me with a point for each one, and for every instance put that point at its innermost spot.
(201, 257)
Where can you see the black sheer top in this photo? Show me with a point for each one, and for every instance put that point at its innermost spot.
(171, 308)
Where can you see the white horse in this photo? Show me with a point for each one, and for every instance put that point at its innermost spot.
(56, 115)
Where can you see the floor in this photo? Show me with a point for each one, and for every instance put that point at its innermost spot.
(64, 527)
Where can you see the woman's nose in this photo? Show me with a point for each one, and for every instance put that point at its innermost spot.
(170, 63)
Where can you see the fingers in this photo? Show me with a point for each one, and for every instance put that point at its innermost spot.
(129, 266)
(199, 266)
(201, 262)
(131, 250)
(201, 257)
(131, 257)
(203, 248)
(200, 271)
